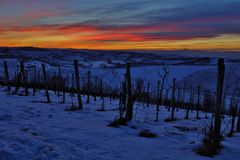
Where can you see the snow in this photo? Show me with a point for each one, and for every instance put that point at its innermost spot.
(112, 75)
(210, 76)
(32, 129)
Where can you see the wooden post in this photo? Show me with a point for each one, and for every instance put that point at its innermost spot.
(198, 101)
(35, 80)
(124, 90)
(95, 90)
(72, 88)
(24, 78)
(158, 100)
(129, 113)
(166, 99)
(238, 122)
(103, 103)
(63, 90)
(18, 81)
(219, 97)
(39, 77)
(7, 75)
(59, 82)
(102, 88)
(80, 107)
(173, 99)
(88, 86)
(46, 84)
(148, 94)
(120, 107)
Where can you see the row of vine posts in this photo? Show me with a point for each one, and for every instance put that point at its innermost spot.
(128, 92)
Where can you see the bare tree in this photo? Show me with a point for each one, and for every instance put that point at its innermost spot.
(23, 75)
(233, 113)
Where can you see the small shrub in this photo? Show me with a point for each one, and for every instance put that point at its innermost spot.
(186, 129)
(101, 110)
(169, 119)
(208, 135)
(70, 109)
(205, 150)
(118, 122)
(147, 134)
(208, 148)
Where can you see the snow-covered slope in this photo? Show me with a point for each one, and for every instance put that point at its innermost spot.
(100, 58)
(110, 65)
(207, 79)
(31, 129)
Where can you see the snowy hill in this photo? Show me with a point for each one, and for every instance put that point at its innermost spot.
(110, 65)
(207, 79)
(100, 58)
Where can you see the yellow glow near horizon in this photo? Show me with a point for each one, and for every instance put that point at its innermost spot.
(50, 39)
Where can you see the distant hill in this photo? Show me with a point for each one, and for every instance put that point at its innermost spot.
(108, 59)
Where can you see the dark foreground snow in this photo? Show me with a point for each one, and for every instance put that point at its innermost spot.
(32, 130)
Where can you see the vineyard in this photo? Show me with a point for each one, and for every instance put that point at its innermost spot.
(124, 113)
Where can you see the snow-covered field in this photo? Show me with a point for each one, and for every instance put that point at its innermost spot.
(113, 75)
(101, 58)
(33, 130)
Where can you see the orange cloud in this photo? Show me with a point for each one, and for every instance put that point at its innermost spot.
(127, 37)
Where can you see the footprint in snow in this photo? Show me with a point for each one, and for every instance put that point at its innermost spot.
(5, 117)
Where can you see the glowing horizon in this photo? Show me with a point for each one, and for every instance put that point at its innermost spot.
(121, 25)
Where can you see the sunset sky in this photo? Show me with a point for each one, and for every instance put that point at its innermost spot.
(121, 24)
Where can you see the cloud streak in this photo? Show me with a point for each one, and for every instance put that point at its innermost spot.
(121, 23)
